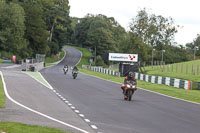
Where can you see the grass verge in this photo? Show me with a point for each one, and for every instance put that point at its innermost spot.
(12, 127)
(50, 60)
(38, 77)
(2, 95)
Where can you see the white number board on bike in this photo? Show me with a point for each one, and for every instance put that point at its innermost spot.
(123, 57)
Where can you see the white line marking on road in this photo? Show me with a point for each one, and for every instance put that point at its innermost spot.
(50, 87)
(77, 111)
(87, 120)
(38, 80)
(69, 104)
(46, 116)
(72, 107)
(81, 115)
(13, 66)
(66, 101)
(54, 91)
(146, 90)
(93, 126)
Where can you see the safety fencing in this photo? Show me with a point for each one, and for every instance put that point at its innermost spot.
(102, 70)
(178, 83)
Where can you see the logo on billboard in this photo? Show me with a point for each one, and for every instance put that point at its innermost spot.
(123, 57)
(131, 57)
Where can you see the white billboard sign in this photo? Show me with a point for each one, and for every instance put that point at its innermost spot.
(123, 57)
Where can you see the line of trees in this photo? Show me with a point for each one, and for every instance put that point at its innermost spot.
(147, 32)
(29, 27)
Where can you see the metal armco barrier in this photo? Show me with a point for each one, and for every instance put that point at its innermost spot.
(178, 83)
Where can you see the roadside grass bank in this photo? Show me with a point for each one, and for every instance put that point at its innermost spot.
(2, 95)
(189, 70)
(190, 95)
(12, 127)
(53, 59)
(1, 60)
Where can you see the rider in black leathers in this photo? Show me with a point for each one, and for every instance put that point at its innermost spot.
(129, 78)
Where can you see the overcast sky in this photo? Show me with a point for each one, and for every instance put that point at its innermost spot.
(185, 13)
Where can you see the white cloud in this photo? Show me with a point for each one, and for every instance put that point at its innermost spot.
(184, 12)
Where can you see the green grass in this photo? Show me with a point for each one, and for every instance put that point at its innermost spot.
(50, 60)
(2, 95)
(11, 127)
(177, 70)
(38, 77)
(1, 60)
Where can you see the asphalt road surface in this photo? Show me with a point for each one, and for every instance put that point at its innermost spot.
(102, 103)
(31, 94)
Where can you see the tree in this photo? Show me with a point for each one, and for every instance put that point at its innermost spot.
(56, 16)
(154, 30)
(36, 30)
(12, 29)
(99, 31)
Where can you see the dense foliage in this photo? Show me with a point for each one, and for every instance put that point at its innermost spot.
(29, 27)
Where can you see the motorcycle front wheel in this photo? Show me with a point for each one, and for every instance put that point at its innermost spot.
(130, 93)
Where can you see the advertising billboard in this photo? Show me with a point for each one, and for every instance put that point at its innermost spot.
(123, 57)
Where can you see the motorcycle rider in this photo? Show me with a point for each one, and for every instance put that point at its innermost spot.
(129, 78)
(75, 68)
(65, 69)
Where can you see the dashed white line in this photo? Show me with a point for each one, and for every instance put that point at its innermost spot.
(81, 115)
(87, 120)
(72, 107)
(77, 111)
(93, 126)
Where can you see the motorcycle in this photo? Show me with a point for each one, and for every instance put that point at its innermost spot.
(74, 74)
(65, 69)
(128, 90)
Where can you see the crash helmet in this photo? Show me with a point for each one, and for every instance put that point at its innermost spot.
(130, 74)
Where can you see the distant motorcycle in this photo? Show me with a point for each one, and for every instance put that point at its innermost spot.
(75, 74)
(65, 69)
(129, 89)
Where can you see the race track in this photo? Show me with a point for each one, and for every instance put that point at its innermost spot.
(102, 103)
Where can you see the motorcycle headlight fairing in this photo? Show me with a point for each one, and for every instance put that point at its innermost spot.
(128, 86)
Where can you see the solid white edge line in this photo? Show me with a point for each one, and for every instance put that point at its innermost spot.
(46, 81)
(37, 80)
(146, 90)
(55, 63)
(80, 57)
(46, 116)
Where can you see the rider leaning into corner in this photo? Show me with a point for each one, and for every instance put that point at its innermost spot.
(130, 78)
